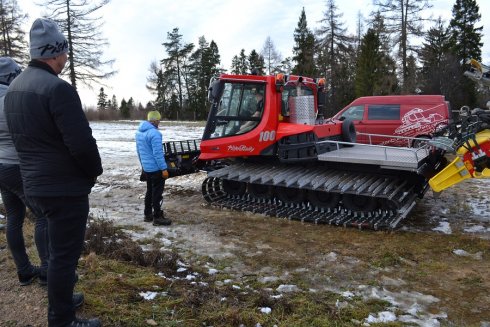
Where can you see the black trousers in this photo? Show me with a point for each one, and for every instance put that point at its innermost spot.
(155, 184)
(15, 206)
(67, 220)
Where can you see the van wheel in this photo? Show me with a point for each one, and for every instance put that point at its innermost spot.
(421, 142)
(348, 131)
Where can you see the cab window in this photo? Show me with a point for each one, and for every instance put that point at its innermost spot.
(237, 110)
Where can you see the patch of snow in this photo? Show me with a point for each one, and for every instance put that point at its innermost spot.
(476, 229)
(384, 316)
(463, 253)
(387, 281)
(443, 227)
(181, 269)
(190, 277)
(212, 271)
(415, 304)
(347, 294)
(287, 288)
(148, 295)
(265, 310)
(268, 279)
(331, 257)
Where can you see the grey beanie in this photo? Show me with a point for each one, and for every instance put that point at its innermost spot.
(46, 39)
(8, 70)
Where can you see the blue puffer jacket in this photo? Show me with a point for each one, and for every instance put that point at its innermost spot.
(149, 147)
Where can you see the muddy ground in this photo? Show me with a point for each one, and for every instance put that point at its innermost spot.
(434, 270)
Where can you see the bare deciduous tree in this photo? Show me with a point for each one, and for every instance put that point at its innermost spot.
(403, 18)
(83, 31)
(12, 36)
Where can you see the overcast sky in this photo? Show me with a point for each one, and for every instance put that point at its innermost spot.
(136, 30)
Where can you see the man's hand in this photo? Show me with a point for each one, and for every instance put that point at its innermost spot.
(164, 174)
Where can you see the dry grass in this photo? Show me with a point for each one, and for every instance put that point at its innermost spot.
(114, 270)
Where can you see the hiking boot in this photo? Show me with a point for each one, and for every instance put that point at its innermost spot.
(148, 218)
(28, 277)
(160, 220)
(78, 322)
(43, 278)
(78, 300)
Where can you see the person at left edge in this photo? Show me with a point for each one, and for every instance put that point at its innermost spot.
(59, 161)
(13, 196)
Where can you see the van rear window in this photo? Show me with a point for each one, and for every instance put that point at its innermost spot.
(384, 112)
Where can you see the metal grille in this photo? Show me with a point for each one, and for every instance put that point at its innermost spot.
(302, 110)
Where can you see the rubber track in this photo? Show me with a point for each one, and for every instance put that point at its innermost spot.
(378, 220)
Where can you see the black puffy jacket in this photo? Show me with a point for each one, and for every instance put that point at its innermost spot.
(58, 154)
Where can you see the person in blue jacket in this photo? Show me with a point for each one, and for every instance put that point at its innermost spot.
(152, 159)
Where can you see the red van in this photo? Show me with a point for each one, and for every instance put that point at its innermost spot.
(399, 115)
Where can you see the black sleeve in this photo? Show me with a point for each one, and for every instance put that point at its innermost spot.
(75, 130)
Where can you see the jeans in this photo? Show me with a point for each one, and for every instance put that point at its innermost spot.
(15, 205)
(67, 220)
(155, 185)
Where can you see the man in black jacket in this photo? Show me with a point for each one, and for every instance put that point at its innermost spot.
(59, 161)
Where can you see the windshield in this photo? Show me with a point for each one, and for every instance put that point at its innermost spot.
(238, 111)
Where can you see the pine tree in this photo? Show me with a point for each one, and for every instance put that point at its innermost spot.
(368, 65)
(235, 65)
(412, 82)
(124, 109)
(204, 65)
(239, 64)
(114, 102)
(440, 72)
(256, 62)
(304, 48)
(102, 100)
(336, 58)
(12, 35)
(174, 64)
(130, 104)
(388, 80)
(465, 43)
(466, 37)
(85, 41)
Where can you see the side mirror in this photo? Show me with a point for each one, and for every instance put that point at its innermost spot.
(215, 90)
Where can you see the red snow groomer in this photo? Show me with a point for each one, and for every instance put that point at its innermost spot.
(283, 158)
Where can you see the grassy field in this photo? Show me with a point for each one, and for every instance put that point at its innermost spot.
(116, 274)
